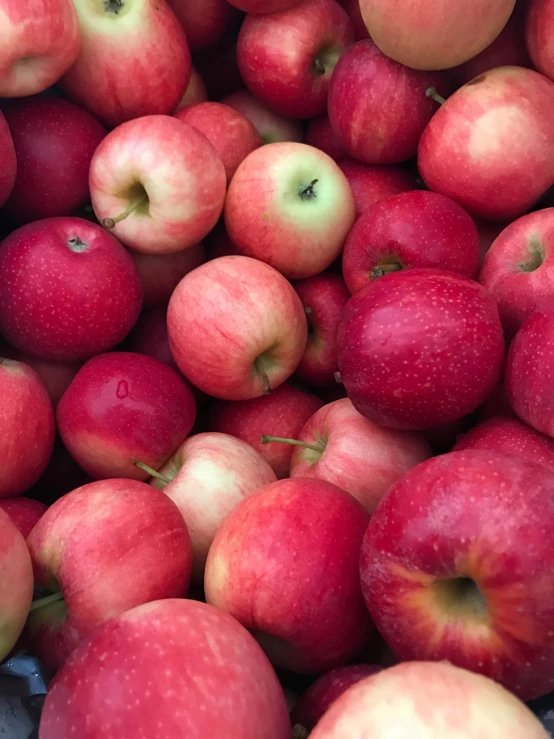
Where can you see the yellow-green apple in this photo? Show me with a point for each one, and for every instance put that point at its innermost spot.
(38, 43)
(123, 405)
(27, 428)
(462, 152)
(161, 273)
(158, 184)
(236, 328)
(104, 548)
(204, 21)
(24, 512)
(434, 36)
(68, 289)
(518, 269)
(539, 23)
(470, 579)
(314, 33)
(377, 107)
(168, 651)
(431, 700)
(8, 161)
(411, 229)
(308, 616)
(281, 413)
(339, 445)
(232, 135)
(320, 134)
(371, 183)
(290, 205)
(16, 583)
(271, 126)
(419, 348)
(196, 91)
(263, 6)
(133, 60)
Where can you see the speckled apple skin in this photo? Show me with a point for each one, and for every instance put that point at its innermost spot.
(24, 512)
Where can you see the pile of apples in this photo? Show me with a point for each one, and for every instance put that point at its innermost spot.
(277, 395)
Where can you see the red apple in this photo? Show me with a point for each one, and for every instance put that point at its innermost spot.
(314, 33)
(161, 273)
(196, 91)
(149, 336)
(462, 153)
(431, 700)
(263, 6)
(175, 647)
(489, 231)
(281, 413)
(369, 184)
(308, 618)
(291, 206)
(271, 126)
(236, 328)
(473, 573)
(497, 404)
(24, 512)
(320, 134)
(538, 35)
(218, 243)
(122, 406)
(377, 107)
(218, 67)
(419, 348)
(54, 143)
(61, 476)
(8, 166)
(204, 21)
(412, 229)
(27, 428)
(39, 43)
(442, 438)
(133, 60)
(353, 9)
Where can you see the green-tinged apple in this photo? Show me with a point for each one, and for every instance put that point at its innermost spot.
(196, 91)
(271, 126)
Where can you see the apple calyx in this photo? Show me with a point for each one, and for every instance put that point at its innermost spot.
(113, 6)
(536, 255)
(45, 601)
(307, 192)
(384, 269)
(150, 470)
(132, 207)
(431, 92)
(300, 732)
(318, 447)
(77, 245)
(462, 595)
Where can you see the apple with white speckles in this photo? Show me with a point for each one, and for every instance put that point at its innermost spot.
(24, 512)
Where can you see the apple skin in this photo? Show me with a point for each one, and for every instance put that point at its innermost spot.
(263, 6)
(497, 404)
(370, 184)
(320, 134)
(108, 546)
(315, 34)
(428, 699)
(37, 45)
(24, 512)
(8, 169)
(61, 476)
(232, 321)
(289, 528)
(420, 348)
(281, 413)
(271, 126)
(411, 229)
(149, 336)
(352, 7)
(455, 585)
(291, 206)
(161, 273)
(377, 107)
(54, 143)
(123, 405)
(462, 151)
(356, 455)
(159, 638)
(489, 231)
(27, 428)
(204, 21)
(196, 91)
(539, 23)
(518, 269)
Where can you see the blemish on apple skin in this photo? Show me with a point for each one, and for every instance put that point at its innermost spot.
(122, 389)
(389, 336)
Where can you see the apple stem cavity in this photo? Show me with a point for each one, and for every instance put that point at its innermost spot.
(77, 245)
(300, 732)
(307, 192)
(113, 6)
(110, 223)
(431, 92)
(384, 269)
(151, 471)
(318, 67)
(307, 310)
(536, 255)
(260, 370)
(319, 448)
(40, 602)
(338, 378)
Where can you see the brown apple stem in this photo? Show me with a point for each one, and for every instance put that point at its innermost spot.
(300, 732)
(307, 310)
(384, 269)
(151, 471)
(338, 378)
(430, 92)
(131, 208)
(293, 442)
(40, 602)
(113, 6)
(318, 67)
(266, 385)
(308, 192)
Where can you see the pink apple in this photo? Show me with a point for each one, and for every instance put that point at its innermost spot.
(314, 33)
(271, 126)
(429, 699)
(377, 107)
(419, 348)
(236, 328)
(308, 618)
(55, 376)
(196, 91)
(281, 413)
(204, 21)
(161, 273)
(412, 229)
(149, 336)
(27, 428)
(539, 23)
(290, 206)
(232, 135)
(39, 43)
(24, 512)
(462, 153)
(320, 134)
(8, 166)
(122, 406)
(263, 6)
(156, 641)
(371, 183)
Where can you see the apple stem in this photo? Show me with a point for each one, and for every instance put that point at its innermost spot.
(431, 92)
(307, 193)
(40, 602)
(307, 310)
(293, 442)
(151, 471)
(131, 208)
(319, 67)
(338, 378)
(384, 269)
(258, 366)
(300, 732)
(113, 6)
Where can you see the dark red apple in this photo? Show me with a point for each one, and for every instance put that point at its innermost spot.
(372, 183)
(8, 161)
(497, 404)
(161, 273)
(539, 23)
(24, 512)
(149, 336)
(320, 134)
(271, 126)
(204, 21)
(352, 7)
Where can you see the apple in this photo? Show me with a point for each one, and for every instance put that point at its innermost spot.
(54, 143)
(281, 413)
(105, 548)
(204, 21)
(38, 44)
(307, 617)
(161, 273)
(377, 107)
(24, 512)
(411, 229)
(518, 269)
(462, 152)
(263, 6)
(489, 231)
(420, 348)
(271, 126)
(352, 7)
(122, 406)
(372, 183)
(538, 35)
(231, 133)
(61, 476)
(27, 428)
(218, 67)
(196, 91)
(314, 33)
(16, 584)
(175, 648)
(158, 184)
(8, 166)
(442, 438)
(497, 404)
(133, 60)
(291, 206)
(320, 134)
(236, 328)
(431, 700)
(437, 35)
(218, 243)
(149, 336)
